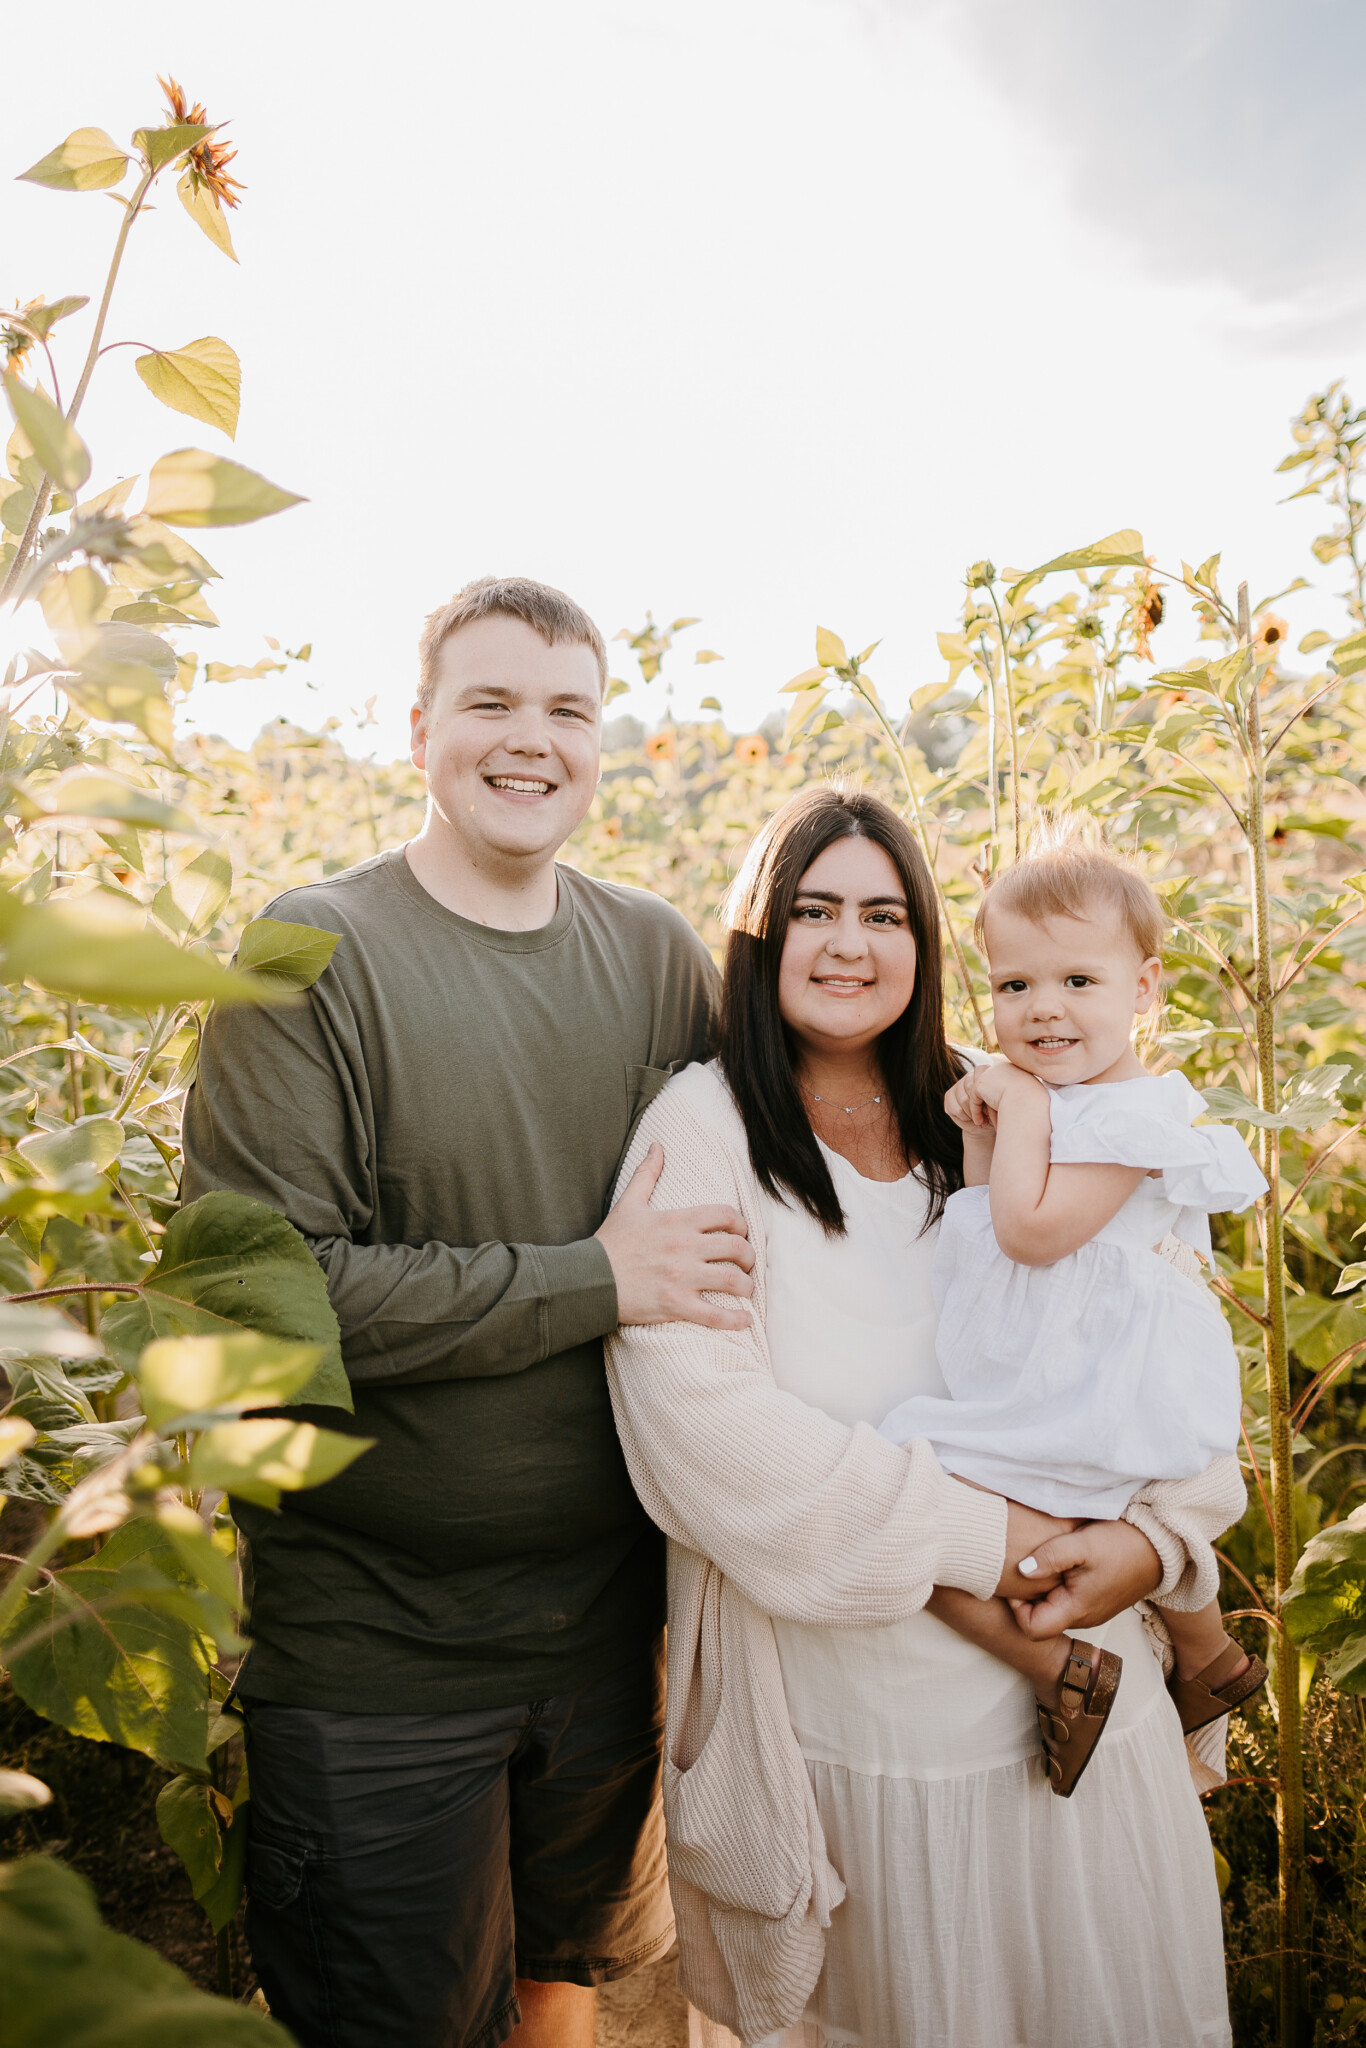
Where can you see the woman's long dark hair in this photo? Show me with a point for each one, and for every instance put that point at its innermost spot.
(918, 1064)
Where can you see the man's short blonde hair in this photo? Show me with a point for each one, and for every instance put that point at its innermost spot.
(547, 611)
(1065, 872)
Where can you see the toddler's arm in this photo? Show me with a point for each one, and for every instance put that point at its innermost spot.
(1041, 1212)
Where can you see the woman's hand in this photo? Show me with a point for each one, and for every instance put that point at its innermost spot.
(1029, 1536)
(1094, 1574)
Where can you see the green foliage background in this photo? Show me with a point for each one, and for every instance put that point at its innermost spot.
(138, 1338)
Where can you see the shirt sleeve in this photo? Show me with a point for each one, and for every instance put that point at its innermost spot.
(279, 1111)
(1148, 1123)
(811, 1519)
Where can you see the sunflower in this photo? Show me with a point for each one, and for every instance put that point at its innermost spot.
(1147, 616)
(1271, 634)
(662, 746)
(751, 750)
(208, 161)
(16, 343)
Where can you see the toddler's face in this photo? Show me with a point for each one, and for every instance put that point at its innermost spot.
(1065, 994)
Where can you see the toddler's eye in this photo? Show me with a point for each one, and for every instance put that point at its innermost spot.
(1079, 981)
(1011, 988)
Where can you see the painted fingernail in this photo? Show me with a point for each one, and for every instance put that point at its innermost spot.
(1028, 1567)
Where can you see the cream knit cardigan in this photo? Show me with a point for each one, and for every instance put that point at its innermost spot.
(772, 1508)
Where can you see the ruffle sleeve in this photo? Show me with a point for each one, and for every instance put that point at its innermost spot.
(1149, 1123)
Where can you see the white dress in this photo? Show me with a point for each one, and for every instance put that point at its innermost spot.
(982, 1911)
(1074, 1384)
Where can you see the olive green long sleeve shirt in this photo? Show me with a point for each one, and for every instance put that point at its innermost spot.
(442, 1118)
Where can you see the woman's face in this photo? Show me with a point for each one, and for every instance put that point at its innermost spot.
(848, 964)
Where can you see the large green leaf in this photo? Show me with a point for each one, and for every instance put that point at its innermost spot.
(161, 146)
(179, 1376)
(206, 213)
(33, 1326)
(294, 955)
(229, 1264)
(265, 1456)
(194, 488)
(113, 1658)
(88, 161)
(95, 1141)
(1325, 1603)
(1310, 1100)
(1122, 550)
(190, 1819)
(190, 902)
(203, 379)
(57, 445)
(71, 1982)
(90, 793)
(98, 950)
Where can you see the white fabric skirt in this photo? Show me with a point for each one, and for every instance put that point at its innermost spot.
(982, 1910)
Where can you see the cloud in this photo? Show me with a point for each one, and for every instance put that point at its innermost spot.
(1221, 140)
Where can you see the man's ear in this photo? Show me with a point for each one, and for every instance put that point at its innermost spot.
(417, 746)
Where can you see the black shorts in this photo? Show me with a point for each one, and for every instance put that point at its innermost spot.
(404, 1869)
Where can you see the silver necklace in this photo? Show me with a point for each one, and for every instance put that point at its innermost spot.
(848, 1107)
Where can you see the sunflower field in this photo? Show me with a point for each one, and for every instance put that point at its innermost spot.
(138, 1336)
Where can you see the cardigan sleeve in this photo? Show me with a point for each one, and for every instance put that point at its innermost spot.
(812, 1520)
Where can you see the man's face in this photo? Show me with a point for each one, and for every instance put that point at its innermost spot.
(510, 740)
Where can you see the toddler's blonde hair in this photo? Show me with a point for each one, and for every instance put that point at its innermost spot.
(1067, 870)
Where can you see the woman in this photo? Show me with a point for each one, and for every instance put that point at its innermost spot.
(863, 1845)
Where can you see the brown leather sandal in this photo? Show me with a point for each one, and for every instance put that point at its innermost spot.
(1089, 1684)
(1213, 1693)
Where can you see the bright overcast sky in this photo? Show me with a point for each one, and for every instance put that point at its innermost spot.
(772, 311)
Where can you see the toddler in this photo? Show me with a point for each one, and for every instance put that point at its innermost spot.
(1082, 1354)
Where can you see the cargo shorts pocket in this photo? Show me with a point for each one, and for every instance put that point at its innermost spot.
(274, 1875)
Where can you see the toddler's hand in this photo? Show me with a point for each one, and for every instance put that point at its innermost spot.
(964, 1105)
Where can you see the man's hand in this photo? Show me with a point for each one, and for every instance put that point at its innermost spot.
(1103, 1567)
(665, 1260)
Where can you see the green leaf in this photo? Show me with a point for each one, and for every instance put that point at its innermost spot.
(1325, 1603)
(206, 213)
(188, 1817)
(1350, 1277)
(203, 379)
(16, 1434)
(180, 1376)
(161, 146)
(44, 318)
(830, 649)
(1122, 550)
(229, 1264)
(1310, 1100)
(291, 955)
(95, 1142)
(57, 445)
(809, 679)
(224, 1896)
(71, 1982)
(194, 488)
(19, 1793)
(32, 1326)
(88, 161)
(89, 793)
(1349, 656)
(131, 1672)
(98, 950)
(264, 1456)
(189, 904)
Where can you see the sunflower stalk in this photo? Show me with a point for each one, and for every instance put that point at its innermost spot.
(1290, 1758)
(132, 207)
(917, 819)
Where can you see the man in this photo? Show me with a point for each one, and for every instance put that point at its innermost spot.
(453, 1690)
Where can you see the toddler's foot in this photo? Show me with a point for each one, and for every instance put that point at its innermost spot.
(1222, 1687)
(1072, 1719)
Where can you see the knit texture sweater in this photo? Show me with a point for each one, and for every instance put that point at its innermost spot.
(772, 1508)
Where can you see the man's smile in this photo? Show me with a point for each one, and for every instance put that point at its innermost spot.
(520, 785)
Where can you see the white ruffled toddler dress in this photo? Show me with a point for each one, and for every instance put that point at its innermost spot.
(1074, 1384)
